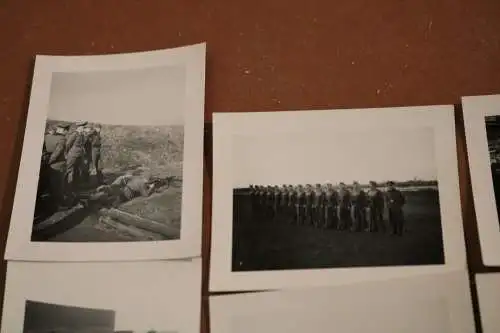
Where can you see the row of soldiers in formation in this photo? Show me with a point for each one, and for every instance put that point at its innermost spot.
(325, 206)
(68, 159)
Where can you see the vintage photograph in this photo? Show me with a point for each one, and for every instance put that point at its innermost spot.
(482, 132)
(110, 296)
(493, 136)
(107, 179)
(42, 317)
(309, 200)
(112, 158)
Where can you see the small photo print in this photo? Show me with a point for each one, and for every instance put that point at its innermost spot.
(482, 132)
(112, 159)
(310, 200)
(107, 179)
(493, 136)
(43, 317)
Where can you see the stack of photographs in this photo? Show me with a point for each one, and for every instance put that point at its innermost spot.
(330, 202)
(345, 219)
(111, 172)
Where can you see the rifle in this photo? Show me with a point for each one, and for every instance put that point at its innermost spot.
(163, 182)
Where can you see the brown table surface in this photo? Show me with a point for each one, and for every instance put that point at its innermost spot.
(267, 56)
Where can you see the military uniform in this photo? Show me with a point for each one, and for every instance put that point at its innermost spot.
(330, 208)
(55, 146)
(375, 210)
(343, 209)
(309, 197)
(74, 158)
(96, 144)
(44, 175)
(292, 198)
(264, 204)
(300, 206)
(87, 157)
(283, 203)
(269, 203)
(50, 141)
(358, 210)
(318, 203)
(132, 187)
(395, 201)
(276, 202)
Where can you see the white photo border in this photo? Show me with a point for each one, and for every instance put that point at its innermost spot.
(488, 294)
(19, 244)
(165, 295)
(475, 110)
(452, 288)
(225, 125)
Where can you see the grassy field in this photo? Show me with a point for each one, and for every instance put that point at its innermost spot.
(157, 148)
(272, 246)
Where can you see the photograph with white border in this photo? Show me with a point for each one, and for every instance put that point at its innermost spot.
(141, 297)
(488, 294)
(438, 303)
(119, 144)
(482, 133)
(274, 226)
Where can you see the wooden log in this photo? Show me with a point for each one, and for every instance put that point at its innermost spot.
(56, 218)
(129, 230)
(141, 223)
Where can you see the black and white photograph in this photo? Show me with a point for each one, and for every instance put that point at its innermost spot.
(111, 180)
(102, 297)
(482, 132)
(117, 147)
(493, 135)
(334, 194)
(348, 199)
(42, 317)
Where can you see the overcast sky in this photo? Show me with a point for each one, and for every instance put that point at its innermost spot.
(300, 158)
(151, 96)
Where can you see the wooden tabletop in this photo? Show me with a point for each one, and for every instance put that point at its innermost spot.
(268, 56)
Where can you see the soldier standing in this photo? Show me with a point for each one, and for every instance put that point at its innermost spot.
(51, 139)
(269, 203)
(251, 197)
(358, 207)
(330, 206)
(87, 154)
(395, 201)
(74, 157)
(276, 202)
(300, 205)
(262, 202)
(96, 153)
(309, 197)
(375, 209)
(318, 204)
(55, 145)
(291, 198)
(283, 203)
(343, 207)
